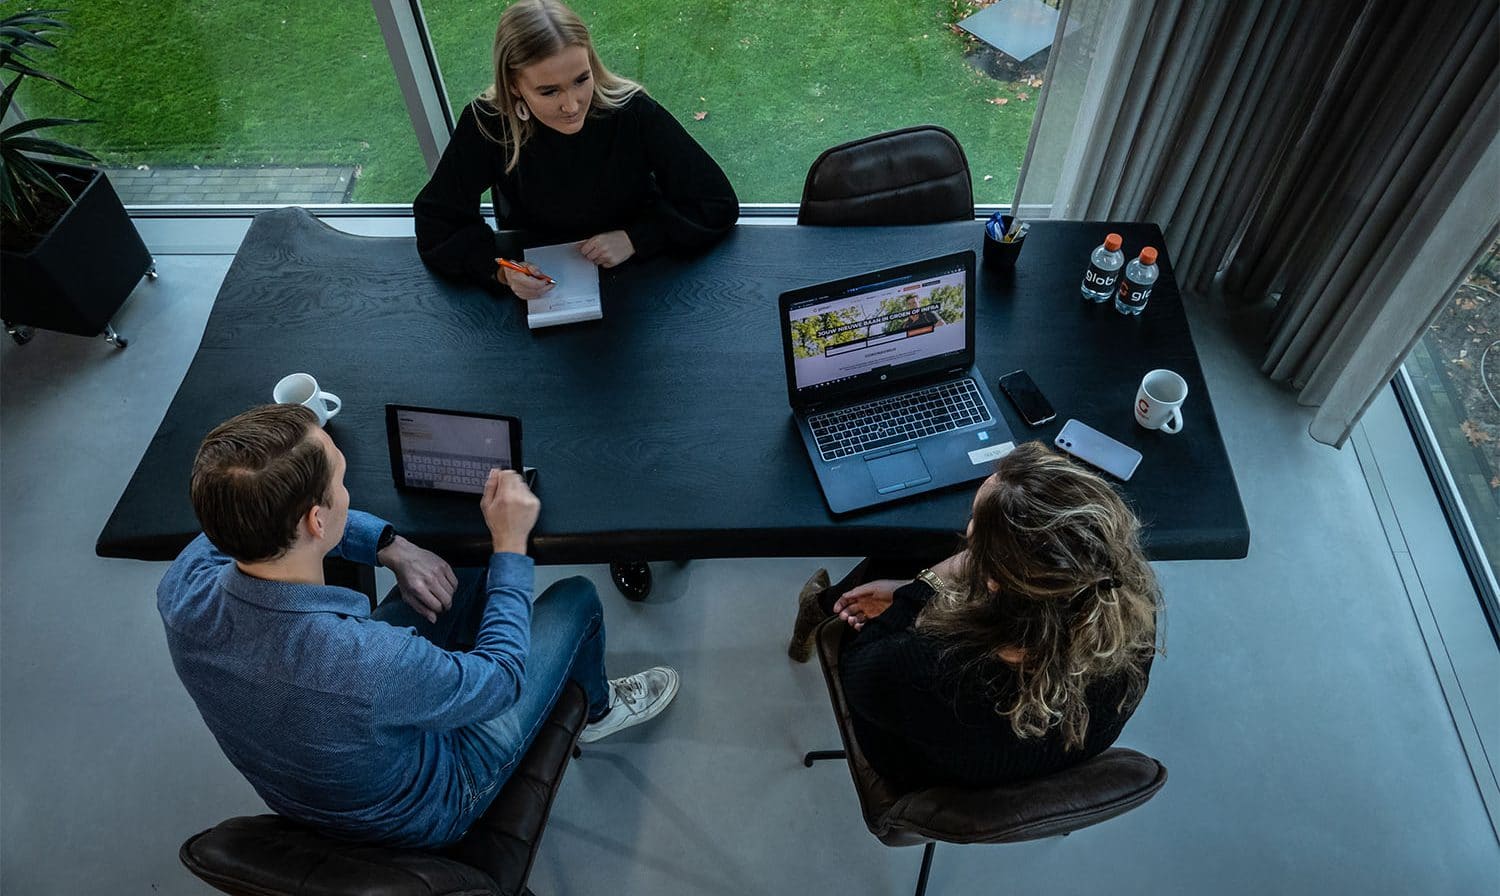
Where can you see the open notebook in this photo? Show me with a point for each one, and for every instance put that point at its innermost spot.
(576, 295)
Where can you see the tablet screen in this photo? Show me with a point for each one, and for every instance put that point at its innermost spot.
(452, 451)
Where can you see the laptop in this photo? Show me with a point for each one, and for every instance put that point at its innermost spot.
(880, 374)
(451, 451)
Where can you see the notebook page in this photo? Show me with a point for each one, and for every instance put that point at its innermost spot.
(576, 295)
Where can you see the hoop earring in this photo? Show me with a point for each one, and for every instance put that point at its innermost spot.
(522, 112)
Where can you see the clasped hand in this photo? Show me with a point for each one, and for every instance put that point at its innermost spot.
(864, 602)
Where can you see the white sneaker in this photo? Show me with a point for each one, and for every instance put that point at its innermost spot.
(632, 701)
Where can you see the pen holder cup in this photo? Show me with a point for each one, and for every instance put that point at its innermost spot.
(999, 254)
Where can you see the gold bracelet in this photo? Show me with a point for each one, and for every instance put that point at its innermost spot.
(932, 580)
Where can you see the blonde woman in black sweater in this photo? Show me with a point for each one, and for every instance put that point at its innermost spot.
(1021, 655)
(575, 152)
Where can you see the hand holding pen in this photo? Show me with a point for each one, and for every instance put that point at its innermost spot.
(526, 280)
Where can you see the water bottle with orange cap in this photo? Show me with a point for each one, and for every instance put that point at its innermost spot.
(1103, 275)
(1135, 286)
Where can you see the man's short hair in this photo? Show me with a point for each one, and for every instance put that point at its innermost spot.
(256, 476)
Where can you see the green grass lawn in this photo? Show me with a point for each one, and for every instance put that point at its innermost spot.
(276, 81)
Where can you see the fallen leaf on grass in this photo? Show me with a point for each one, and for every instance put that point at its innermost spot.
(1466, 304)
(699, 116)
(997, 100)
(1034, 82)
(1023, 96)
(1495, 482)
(1475, 433)
(1465, 363)
(989, 177)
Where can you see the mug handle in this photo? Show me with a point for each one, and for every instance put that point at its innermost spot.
(330, 398)
(1173, 424)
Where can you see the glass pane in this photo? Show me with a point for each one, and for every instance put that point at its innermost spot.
(1455, 370)
(766, 87)
(234, 102)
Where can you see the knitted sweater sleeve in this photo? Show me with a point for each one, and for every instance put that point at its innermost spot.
(887, 670)
(697, 204)
(452, 236)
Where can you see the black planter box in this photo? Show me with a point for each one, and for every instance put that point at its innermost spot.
(76, 278)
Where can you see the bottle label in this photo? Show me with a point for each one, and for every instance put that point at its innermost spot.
(1097, 279)
(1132, 294)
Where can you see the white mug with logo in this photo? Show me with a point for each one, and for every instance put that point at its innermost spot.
(1158, 403)
(301, 388)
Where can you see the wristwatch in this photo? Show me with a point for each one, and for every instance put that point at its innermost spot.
(387, 535)
(931, 580)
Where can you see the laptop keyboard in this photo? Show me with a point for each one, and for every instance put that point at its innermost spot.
(900, 418)
(430, 469)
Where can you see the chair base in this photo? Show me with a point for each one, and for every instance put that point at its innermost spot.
(817, 755)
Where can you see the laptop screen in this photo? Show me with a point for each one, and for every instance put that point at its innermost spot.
(875, 328)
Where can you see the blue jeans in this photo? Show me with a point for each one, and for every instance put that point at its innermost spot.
(567, 644)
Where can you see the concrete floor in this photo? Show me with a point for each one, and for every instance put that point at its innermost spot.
(1309, 744)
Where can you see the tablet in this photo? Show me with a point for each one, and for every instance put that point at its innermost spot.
(449, 451)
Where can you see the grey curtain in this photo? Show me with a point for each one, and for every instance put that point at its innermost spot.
(1338, 157)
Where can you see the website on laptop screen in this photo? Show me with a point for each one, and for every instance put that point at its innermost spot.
(836, 338)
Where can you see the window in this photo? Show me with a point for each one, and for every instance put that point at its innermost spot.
(235, 102)
(1455, 377)
(766, 87)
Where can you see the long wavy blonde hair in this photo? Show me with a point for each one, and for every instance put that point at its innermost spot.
(530, 31)
(1054, 569)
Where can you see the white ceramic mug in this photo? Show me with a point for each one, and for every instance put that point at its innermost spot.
(301, 388)
(1158, 403)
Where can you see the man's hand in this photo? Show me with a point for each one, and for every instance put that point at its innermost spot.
(607, 249)
(510, 510)
(524, 286)
(426, 580)
(864, 602)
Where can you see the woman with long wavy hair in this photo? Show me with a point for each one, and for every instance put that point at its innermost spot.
(575, 152)
(1023, 654)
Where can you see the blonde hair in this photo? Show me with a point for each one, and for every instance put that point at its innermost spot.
(529, 32)
(1054, 568)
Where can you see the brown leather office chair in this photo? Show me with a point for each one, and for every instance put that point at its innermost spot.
(267, 855)
(1112, 783)
(915, 175)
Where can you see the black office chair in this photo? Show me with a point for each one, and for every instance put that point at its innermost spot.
(1110, 784)
(915, 175)
(268, 855)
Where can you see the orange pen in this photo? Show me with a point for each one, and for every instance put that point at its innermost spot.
(526, 269)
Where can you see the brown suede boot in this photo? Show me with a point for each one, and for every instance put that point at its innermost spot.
(809, 614)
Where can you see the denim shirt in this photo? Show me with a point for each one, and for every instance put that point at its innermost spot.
(338, 720)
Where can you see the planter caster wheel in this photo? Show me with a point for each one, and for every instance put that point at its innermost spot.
(151, 274)
(113, 338)
(21, 335)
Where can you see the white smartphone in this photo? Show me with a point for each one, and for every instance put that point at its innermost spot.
(1097, 449)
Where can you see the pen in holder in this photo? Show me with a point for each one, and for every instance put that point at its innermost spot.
(1003, 236)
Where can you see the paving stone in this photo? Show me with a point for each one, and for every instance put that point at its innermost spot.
(267, 185)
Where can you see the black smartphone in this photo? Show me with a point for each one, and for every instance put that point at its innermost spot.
(1027, 398)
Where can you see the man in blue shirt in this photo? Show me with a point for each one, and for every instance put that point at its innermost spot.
(369, 726)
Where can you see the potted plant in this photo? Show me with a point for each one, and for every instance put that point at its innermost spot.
(69, 253)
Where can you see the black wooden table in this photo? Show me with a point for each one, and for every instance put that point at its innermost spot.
(663, 431)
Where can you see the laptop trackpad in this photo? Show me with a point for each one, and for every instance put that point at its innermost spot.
(894, 472)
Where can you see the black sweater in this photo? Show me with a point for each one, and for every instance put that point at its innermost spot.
(922, 721)
(633, 169)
